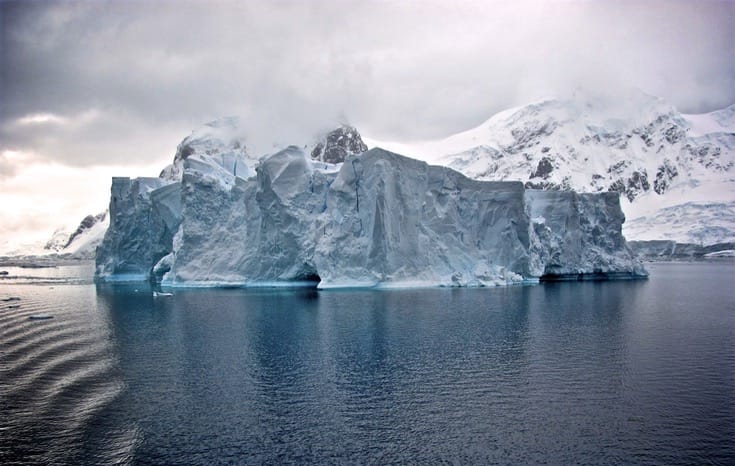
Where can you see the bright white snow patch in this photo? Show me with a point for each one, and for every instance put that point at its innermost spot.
(720, 121)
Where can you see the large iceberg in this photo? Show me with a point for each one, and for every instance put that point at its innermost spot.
(378, 219)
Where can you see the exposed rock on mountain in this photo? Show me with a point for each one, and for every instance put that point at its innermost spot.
(339, 144)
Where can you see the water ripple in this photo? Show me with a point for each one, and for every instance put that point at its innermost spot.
(55, 375)
(571, 373)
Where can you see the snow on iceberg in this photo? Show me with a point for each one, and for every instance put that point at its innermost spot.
(217, 149)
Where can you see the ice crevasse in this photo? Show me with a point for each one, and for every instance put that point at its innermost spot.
(378, 219)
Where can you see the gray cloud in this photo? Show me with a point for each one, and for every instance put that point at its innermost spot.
(128, 80)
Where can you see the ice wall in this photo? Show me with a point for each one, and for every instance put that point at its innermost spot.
(395, 220)
(259, 230)
(144, 213)
(579, 236)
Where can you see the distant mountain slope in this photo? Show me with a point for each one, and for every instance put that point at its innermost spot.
(82, 242)
(79, 244)
(639, 145)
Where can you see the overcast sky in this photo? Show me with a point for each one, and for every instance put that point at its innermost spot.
(91, 89)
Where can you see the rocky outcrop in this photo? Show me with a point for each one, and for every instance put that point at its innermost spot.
(339, 144)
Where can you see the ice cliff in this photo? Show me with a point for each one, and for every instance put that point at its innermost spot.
(389, 219)
(376, 219)
(144, 214)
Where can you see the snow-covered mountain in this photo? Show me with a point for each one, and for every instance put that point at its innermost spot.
(80, 243)
(675, 172)
(68, 242)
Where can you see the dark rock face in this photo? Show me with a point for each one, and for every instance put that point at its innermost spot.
(339, 144)
(544, 168)
(611, 139)
(665, 173)
(709, 156)
(633, 186)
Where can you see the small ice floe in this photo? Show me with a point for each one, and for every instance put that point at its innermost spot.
(161, 294)
(40, 317)
(11, 298)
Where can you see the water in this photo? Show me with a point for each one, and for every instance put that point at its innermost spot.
(638, 372)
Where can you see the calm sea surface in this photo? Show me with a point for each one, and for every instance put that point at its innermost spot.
(628, 372)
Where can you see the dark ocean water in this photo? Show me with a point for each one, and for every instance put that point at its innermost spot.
(628, 372)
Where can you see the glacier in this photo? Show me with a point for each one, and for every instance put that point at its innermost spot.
(220, 217)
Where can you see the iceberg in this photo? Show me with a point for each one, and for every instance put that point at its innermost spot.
(394, 220)
(578, 236)
(255, 231)
(140, 232)
(375, 219)
(674, 171)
